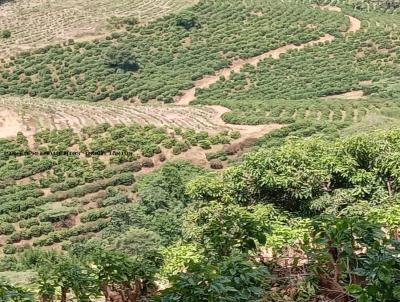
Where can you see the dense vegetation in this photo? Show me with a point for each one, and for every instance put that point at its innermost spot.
(288, 89)
(343, 65)
(311, 219)
(170, 55)
(65, 186)
(310, 214)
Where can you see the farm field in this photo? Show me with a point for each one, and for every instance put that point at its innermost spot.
(39, 23)
(57, 114)
(197, 151)
(356, 66)
(78, 173)
(163, 50)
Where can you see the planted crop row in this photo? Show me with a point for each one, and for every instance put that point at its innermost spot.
(48, 23)
(167, 55)
(20, 206)
(346, 64)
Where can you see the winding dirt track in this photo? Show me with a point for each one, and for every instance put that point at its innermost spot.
(257, 131)
(189, 95)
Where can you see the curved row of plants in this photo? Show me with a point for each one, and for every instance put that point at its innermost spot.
(365, 60)
(161, 59)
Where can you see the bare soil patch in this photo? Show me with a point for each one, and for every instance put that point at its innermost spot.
(328, 7)
(352, 95)
(11, 124)
(35, 113)
(355, 25)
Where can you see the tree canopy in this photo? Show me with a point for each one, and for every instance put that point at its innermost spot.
(121, 57)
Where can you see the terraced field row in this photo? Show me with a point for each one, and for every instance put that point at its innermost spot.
(30, 115)
(169, 54)
(286, 112)
(35, 114)
(40, 22)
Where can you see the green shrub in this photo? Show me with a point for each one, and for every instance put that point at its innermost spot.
(6, 228)
(5, 34)
(9, 249)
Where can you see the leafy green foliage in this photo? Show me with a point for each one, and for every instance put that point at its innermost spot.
(119, 22)
(177, 257)
(67, 274)
(240, 230)
(315, 174)
(9, 293)
(187, 21)
(5, 34)
(161, 203)
(99, 272)
(132, 277)
(139, 242)
(213, 235)
(120, 57)
(357, 255)
(233, 279)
